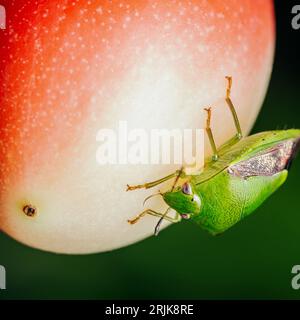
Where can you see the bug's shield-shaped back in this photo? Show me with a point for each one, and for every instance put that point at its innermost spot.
(263, 154)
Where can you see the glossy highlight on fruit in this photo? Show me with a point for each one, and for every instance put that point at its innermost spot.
(70, 68)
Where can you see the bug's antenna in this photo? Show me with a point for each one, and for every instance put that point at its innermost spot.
(157, 227)
(177, 178)
(151, 196)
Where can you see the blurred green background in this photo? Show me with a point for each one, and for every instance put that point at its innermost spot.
(252, 260)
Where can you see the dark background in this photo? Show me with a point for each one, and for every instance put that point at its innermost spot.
(253, 260)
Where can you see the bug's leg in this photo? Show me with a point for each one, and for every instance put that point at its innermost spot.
(155, 214)
(148, 185)
(210, 135)
(239, 134)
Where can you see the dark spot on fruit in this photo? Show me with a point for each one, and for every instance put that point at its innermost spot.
(29, 210)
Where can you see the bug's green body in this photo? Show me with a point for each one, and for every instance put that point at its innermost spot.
(239, 199)
(226, 199)
(238, 178)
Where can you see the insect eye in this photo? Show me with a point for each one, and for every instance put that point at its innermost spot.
(187, 189)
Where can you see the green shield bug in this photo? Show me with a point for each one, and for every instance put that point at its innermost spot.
(236, 180)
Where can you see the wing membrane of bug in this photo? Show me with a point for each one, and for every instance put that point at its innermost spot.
(266, 163)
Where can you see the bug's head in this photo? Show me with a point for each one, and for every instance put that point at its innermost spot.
(184, 200)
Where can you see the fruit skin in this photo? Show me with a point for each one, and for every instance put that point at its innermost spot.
(70, 68)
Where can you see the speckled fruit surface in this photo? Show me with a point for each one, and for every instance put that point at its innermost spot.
(70, 68)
